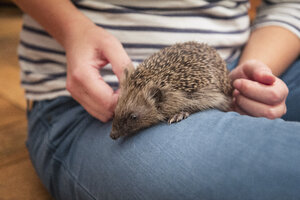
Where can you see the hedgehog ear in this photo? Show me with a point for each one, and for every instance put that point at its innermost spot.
(156, 94)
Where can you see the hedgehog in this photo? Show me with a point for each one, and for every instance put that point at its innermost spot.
(169, 86)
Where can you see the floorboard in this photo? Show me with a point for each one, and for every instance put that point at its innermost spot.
(18, 180)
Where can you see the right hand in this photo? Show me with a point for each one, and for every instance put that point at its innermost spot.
(87, 51)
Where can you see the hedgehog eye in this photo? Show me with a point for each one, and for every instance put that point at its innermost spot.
(133, 117)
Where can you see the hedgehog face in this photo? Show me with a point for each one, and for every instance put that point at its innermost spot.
(134, 112)
(127, 123)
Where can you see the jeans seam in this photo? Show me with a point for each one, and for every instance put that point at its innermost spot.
(62, 163)
(49, 144)
(72, 177)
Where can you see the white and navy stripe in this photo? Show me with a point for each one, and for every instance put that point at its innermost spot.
(143, 27)
(284, 13)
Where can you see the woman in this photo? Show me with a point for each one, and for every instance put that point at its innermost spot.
(211, 155)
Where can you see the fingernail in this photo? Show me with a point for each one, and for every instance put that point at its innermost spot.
(268, 78)
(235, 93)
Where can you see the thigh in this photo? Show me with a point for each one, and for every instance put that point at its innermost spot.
(210, 155)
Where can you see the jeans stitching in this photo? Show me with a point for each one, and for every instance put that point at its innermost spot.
(72, 177)
(87, 119)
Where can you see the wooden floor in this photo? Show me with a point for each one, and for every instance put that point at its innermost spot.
(18, 180)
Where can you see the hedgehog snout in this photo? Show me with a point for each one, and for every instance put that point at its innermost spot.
(114, 135)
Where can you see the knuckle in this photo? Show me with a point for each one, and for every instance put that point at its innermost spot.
(284, 110)
(244, 87)
(100, 116)
(76, 76)
(104, 119)
(107, 105)
(69, 85)
(240, 101)
(286, 90)
(272, 113)
(276, 96)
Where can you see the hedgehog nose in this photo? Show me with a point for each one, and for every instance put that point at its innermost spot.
(114, 136)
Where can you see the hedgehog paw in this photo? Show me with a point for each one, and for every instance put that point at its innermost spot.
(178, 117)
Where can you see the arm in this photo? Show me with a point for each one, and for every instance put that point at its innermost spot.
(275, 38)
(60, 18)
(274, 46)
(88, 48)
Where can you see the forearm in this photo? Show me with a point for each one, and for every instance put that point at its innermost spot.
(274, 46)
(60, 18)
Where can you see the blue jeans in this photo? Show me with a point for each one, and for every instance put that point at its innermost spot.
(210, 155)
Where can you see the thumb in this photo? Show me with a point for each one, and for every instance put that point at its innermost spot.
(115, 98)
(264, 77)
(258, 71)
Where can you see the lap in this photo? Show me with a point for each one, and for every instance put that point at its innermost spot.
(210, 155)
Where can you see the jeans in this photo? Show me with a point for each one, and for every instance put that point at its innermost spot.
(211, 155)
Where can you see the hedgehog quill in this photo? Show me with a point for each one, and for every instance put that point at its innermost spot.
(169, 86)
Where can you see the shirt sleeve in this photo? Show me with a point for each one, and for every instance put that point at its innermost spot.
(284, 13)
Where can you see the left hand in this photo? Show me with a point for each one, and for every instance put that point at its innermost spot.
(257, 92)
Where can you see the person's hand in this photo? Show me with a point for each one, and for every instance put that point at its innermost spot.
(87, 51)
(257, 92)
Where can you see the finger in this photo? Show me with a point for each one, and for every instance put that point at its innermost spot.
(257, 109)
(267, 94)
(237, 73)
(258, 71)
(100, 94)
(253, 70)
(91, 107)
(239, 110)
(101, 62)
(119, 62)
(104, 117)
(235, 93)
(90, 90)
(236, 108)
(115, 99)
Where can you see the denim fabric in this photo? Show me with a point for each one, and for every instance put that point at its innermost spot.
(211, 155)
(292, 78)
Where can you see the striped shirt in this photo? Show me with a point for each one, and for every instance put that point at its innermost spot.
(144, 27)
